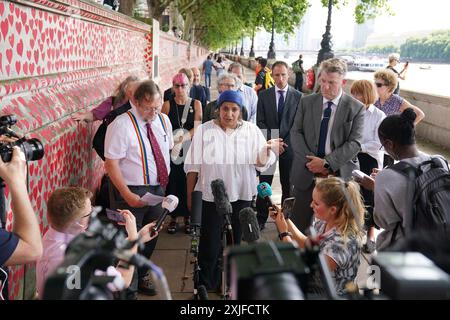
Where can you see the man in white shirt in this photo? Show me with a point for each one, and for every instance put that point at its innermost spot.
(250, 97)
(325, 137)
(137, 146)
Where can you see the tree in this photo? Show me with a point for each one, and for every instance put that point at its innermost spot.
(156, 8)
(127, 7)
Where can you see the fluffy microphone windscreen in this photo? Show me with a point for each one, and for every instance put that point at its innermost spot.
(223, 205)
(249, 225)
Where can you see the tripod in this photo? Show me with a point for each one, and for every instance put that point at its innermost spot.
(227, 229)
(194, 251)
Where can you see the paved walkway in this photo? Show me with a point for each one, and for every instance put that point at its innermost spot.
(172, 252)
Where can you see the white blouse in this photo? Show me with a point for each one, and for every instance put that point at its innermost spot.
(230, 156)
(371, 142)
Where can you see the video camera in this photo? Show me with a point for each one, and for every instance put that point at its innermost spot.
(98, 248)
(32, 148)
(278, 271)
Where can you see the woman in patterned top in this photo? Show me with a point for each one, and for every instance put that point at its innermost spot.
(338, 229)
(389, 102)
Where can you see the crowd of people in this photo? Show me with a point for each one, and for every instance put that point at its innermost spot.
(179, 141)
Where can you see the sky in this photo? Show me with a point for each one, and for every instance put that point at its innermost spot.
(410, 15)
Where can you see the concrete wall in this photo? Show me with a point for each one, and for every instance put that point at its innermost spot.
(58, 58)
(436, 125)
(175, 54)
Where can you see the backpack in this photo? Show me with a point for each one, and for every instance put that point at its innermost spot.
(431, 202)
(98, 143)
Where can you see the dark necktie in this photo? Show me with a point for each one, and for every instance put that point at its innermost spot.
(324, 130)
(280, 105)
(161, 169)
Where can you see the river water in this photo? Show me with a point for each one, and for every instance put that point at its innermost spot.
(435, 80)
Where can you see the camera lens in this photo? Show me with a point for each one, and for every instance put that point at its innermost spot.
(33, 149)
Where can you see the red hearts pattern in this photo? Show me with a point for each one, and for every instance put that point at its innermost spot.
(56, 65)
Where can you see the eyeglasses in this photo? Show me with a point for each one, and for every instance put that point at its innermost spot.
(379, 85)
(184, 85)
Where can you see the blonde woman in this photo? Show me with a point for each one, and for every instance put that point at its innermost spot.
(338, 229)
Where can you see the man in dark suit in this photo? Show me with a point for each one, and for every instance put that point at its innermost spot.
(326, 138)
(274, 116)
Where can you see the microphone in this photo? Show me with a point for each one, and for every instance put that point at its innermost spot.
(202, 293)
(169, 204)
(223, 205)
(249, 225)
(196, 210)
(265, 192)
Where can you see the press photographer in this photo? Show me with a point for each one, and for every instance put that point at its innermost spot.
(338, 211)
(22, 245)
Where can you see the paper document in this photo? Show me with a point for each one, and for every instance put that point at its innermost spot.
(151, 199)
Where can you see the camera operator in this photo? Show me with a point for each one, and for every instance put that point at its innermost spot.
(68, 214)
(339, 235)
(23, 244)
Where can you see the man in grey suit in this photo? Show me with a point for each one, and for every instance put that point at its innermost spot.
(275, 115)
(325, 137)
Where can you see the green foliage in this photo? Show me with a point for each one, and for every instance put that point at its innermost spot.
(217, 23)
(436, 46)
(382, 49)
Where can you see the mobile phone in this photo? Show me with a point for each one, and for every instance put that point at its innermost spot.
(288, 207)
(115, 215)
(359, 174)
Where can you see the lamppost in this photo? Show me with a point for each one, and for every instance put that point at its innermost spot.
(242, 47)
(235, 49)
(271, 54)
(252, 53)
(326, 52)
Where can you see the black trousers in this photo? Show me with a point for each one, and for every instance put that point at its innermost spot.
(366, 164)
(211, 235)
(298, 81)
(284, 166)
(303, 213)
(143, 216)
(177, 187)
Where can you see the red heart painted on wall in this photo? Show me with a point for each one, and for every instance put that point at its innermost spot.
(27, 29)
(2, 8)
(31, 68)
(9, 54)
(36, 56)
(17, 12)
(11, 40)
(4, 26)
(29, 54)
(18, 27)
(34, 32)
(7, 68)
(11, 19)
(23, 17)
(20, 48)
(18, 67)
(32, 43)
(25, 68)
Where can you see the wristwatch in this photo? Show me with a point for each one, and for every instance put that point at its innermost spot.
(326, 165)
(284, 234)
